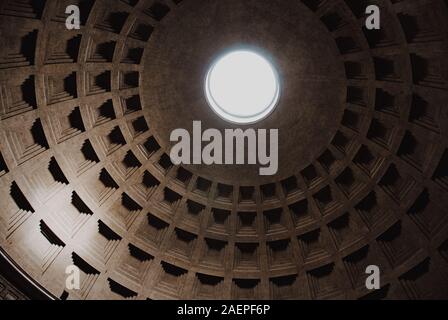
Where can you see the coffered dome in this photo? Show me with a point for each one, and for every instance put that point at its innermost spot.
(86, 178)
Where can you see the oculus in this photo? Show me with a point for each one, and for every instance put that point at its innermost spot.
(242, 87)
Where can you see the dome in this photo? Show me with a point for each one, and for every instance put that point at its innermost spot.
(86, 177)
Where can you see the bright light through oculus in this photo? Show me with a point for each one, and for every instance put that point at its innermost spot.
(242, 87)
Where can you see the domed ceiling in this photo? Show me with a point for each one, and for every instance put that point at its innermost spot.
(86, 178)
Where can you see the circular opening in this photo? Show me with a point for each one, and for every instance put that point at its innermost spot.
(242, 87)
